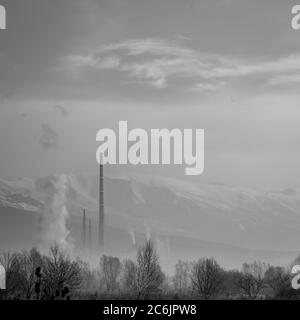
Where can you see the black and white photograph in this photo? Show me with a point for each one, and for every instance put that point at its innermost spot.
(150, 151)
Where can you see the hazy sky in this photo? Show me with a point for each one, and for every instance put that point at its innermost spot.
(71, 67)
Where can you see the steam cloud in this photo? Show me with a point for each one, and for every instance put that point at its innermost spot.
(148, 231)
(54, 220)
(132, 236)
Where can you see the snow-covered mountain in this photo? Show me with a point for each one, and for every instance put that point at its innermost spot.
(187, 219)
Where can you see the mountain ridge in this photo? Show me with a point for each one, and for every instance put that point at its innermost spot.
(170, 209)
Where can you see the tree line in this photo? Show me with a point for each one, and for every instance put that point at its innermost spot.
(32, 275)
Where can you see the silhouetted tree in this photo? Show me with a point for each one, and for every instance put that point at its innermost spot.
(279, 280)
(59, 274)
(110, 270)
(149, 276)
(207, 278)
(182, 276)
(128, 276)
(11, 264)
(251, 280)
(89, 279)
(28, 263)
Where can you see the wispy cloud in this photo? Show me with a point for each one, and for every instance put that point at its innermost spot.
(157, 47)
(284, 80)
(206, 87)
(156, 62)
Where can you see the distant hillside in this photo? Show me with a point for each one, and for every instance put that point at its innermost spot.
(187, 220)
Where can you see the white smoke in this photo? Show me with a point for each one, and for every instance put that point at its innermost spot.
(55, 215)
(132, 236)
(147, 230)
(163, 247)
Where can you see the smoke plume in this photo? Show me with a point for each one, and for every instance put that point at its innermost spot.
(55, 215)
(132, 236)
(148, 231)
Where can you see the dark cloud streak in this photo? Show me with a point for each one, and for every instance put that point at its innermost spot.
(62, 110)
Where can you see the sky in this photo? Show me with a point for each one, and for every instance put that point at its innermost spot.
(231, 67)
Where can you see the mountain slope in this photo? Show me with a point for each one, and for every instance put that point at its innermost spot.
(186, 219)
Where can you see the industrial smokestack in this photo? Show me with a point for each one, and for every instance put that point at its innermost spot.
(90, 234)
(83, 230)
(101, 206)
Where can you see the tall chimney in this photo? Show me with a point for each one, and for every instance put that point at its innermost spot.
(90, 234)
(83, 229)
(101, 206)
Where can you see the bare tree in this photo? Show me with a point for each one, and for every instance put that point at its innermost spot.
(279, 280)
(128, 276)
(59, 272)
(6, 259)
(28, 263)
(11, 265)
(251, 280)
(207, 277)
(110, 270)
(231, 277)
(182, 276)
(149, 276)
(89, 278)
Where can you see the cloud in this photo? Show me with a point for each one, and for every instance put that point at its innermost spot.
(204, 87)
(91, 61)
(49, 138)
(284, 80)
(62, 110)
(157, 62)
(158, 47)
